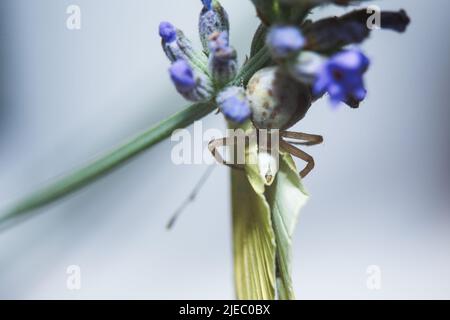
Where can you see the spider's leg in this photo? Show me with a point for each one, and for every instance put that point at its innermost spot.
(299, 154)
(306, 139)
(223, 142)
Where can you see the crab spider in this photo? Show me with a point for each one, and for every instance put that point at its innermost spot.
(277, 103)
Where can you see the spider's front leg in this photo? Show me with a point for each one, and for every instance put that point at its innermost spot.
(305, 138)
(299, 154)
(223, 142)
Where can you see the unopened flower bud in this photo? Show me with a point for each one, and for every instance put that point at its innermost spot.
(222, 60)
(178, 47)
(233, 104)
(193, 86)
(213, 18)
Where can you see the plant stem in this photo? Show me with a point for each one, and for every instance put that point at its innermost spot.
(106, 163)
(260, 60)
(117, 157)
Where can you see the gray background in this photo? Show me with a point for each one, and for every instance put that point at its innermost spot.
(380, 192)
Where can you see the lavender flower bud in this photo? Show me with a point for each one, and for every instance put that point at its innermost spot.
(284, 41)
(177, 47)
(222, 60)
(193, 86)
(213, 18)
(233, 104)
(167, 32)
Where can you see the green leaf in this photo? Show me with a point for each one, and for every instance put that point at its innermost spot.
(267, 10)
(253, 236)
(259, 39)
(286, 196)
(264, 220)
(105, 164)
(253, 240)
(282, 11)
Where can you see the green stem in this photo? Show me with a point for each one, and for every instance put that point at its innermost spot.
(107, 163)
(260, 60)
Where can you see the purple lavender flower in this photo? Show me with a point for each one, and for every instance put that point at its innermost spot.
(191, 85)
(182, 76)
(218, 41)
(207, 4)
(177, 46)
(213, 18)
(234, 105)
(342, 77)
(167, 32)
(223, 58)
(284, 41)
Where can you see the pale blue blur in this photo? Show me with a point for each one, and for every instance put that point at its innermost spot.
(380, 190)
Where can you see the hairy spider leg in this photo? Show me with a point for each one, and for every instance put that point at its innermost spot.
(296, 152)
(223, 142)
(308, 139)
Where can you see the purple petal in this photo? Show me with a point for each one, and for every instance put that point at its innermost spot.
(167, 31)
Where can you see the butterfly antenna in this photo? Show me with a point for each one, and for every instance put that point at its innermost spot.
(191, 198)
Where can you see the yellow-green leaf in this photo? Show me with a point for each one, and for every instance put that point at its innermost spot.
(264, 220)
(286, 196)
(254, 241)
(253, 236)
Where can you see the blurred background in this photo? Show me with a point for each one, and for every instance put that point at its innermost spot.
(379, 193)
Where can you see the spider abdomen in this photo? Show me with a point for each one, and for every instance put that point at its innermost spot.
(277, 101)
